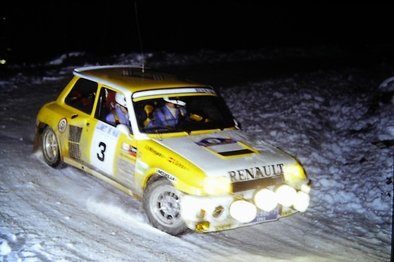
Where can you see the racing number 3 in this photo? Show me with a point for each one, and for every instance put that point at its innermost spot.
(102, 147)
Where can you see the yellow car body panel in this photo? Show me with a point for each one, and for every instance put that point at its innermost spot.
(185, 176)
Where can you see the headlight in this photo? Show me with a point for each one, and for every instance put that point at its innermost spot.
(265, 199)
(294, 173)
(243, 211)
(217, 185)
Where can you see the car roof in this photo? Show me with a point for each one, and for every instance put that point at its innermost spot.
(132, 78)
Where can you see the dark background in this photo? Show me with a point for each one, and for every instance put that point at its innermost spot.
(40, 30)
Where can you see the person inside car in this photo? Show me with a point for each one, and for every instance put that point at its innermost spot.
(169, 114)
(119, 114)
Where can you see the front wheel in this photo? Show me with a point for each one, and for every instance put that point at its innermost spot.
(50, 147)
(161, 202)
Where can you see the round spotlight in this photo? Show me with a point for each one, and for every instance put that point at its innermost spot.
(306, 188)
(265, 199)
(286, 195)
(243, 211)
(301, 202)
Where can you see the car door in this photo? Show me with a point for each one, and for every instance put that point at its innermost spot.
(101, 137)
(103, 147)
(112, 148)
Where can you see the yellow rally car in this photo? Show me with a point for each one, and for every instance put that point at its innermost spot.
(190, 164)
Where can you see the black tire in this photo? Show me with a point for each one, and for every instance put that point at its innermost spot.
(50, 147)
(161, 203)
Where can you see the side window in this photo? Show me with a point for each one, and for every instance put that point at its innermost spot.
(106, 104)
(82, 95)
(112, 109)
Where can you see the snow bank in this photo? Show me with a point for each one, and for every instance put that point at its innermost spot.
(334, 129)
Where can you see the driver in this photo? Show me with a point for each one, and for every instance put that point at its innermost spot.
(119, 115)
(169, 114)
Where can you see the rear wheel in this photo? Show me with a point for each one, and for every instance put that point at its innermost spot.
(162, 206)
(50, 147)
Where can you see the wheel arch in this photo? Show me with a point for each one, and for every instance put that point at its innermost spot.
(151, 179)
(40, 127)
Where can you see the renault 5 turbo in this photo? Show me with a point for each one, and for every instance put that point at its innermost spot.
(191, 166)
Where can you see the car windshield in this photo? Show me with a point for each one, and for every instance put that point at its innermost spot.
(182, 113)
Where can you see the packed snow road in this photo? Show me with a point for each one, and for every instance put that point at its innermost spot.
(339, 124)
(66, 215)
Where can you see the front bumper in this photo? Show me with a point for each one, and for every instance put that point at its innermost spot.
(216, 213)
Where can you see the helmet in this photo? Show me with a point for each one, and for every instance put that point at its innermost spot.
(120, 99)
(174, 101)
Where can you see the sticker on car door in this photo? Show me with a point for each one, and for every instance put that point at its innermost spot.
(103, 147)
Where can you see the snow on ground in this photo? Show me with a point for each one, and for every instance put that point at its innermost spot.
(337, 121)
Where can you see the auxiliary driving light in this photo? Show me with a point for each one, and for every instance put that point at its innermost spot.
(202, 226)
(265, 199)
(286, 195)
(243, 211)
(301, 201)
(306, 188)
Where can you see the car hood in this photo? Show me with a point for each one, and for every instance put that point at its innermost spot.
(231, 153)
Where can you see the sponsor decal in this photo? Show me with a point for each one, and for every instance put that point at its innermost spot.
(129, 149)
(141, 167)
(265, 216)
(62, 125)
(172, 91)
(126, 172)
(214, 141)
(166, 175)
(110, 130)
(176, 162)
(257, 172)
(153, 151)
